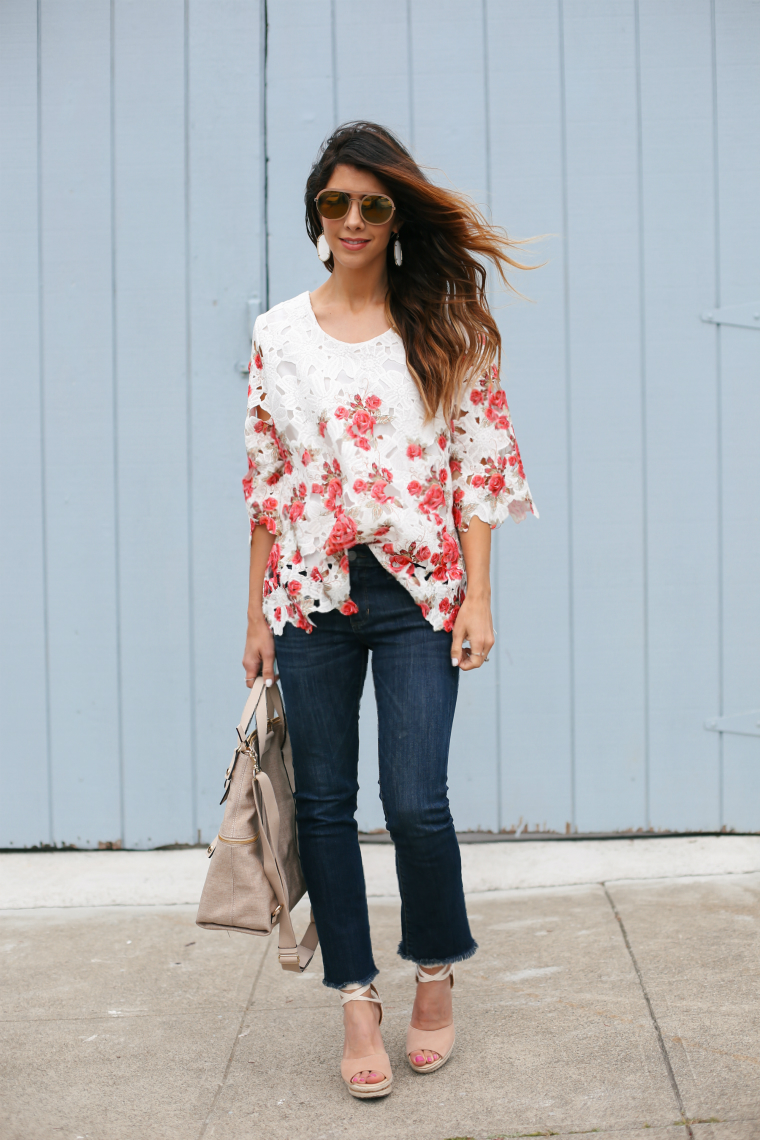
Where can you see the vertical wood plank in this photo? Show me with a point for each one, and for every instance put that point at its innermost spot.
(150, 343)
(607, 523)
(449, 114)
(373, 85)
(24, 803)
(449, 93)
(738, 124)
(680, 369)
(299, 116)
(226, 171)
(531, 610)
(79, 419)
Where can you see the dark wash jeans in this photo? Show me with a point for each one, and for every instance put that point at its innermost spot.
(322, 675)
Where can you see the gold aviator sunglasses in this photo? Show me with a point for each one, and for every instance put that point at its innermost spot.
(376, 209)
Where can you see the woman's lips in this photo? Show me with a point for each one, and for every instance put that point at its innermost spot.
(358, 244)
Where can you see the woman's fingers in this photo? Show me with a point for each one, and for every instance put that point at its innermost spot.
(456, 647)
(267, 669)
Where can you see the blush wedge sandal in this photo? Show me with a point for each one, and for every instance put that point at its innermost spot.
(377, 1062)
(440, 1041)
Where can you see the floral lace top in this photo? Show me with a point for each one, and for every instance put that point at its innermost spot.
(347, 458)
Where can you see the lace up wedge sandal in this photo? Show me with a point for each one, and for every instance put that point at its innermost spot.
(374, 1062)
(440, 1041)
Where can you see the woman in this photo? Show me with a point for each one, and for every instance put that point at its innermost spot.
(380, 454)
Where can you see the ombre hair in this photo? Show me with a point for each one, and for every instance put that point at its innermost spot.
(436, 299)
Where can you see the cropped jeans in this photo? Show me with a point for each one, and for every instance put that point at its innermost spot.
(322, 675)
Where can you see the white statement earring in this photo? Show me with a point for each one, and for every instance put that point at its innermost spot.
(323, 248)
(397, 255)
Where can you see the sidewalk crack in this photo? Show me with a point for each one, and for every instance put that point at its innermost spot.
(655, 1023)
(231, 1058)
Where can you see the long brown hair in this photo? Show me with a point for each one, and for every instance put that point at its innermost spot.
(437, 299)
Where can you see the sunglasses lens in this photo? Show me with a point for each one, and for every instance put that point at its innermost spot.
(376, 209)
(333, 204)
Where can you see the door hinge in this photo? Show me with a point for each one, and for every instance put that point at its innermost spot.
(742, 316)
(745, 724)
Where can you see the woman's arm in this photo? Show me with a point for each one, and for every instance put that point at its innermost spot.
(259, 642)
(474, 618)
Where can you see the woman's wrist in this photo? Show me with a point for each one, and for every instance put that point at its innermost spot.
(255, 615)
(478, 592)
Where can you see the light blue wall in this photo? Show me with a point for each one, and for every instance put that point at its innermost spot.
(151, 184)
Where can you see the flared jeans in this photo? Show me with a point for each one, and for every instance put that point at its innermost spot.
(322, 675)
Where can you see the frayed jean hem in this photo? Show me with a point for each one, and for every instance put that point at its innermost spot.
(437, 961)
(360, 982)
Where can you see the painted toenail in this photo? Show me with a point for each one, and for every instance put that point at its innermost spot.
(419, 1060)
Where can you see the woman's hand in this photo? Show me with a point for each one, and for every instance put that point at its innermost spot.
(259, 640)
(259, 651)
(473, 624)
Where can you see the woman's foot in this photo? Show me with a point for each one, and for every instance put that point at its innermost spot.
(361, 1022)
(432, 1010)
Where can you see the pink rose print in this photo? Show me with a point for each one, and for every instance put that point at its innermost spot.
(349, 607)
(414, 450)
(256, 358)
(361, 419)
(448, 625)
(406, 560)
(294, 587)
(296, 511)
(343, 534)
(376, 483)
(442, 441)
(425, 608)
(344, 565)
(446, 561)
(423, 553)
(297, 559)
(331, 486)
(306, 458)
(315, 574)
(278, 614)
(478, 480)
(496, 484)
(434, 496)
(476, 397)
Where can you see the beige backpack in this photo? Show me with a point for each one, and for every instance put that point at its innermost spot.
(254, 877)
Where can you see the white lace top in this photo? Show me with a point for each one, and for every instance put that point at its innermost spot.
(347, 458)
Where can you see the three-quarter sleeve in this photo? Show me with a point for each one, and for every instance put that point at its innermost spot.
(268, 459)
(486, 469)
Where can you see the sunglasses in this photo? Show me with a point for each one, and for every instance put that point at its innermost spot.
(376, 209)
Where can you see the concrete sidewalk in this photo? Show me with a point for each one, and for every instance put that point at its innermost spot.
(619, 998)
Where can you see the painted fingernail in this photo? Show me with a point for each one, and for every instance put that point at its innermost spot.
(269, 683)
(455, 661)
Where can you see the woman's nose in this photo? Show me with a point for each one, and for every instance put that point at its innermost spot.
(354, 217)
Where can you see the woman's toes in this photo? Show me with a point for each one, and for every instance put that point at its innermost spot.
(419, 1059)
